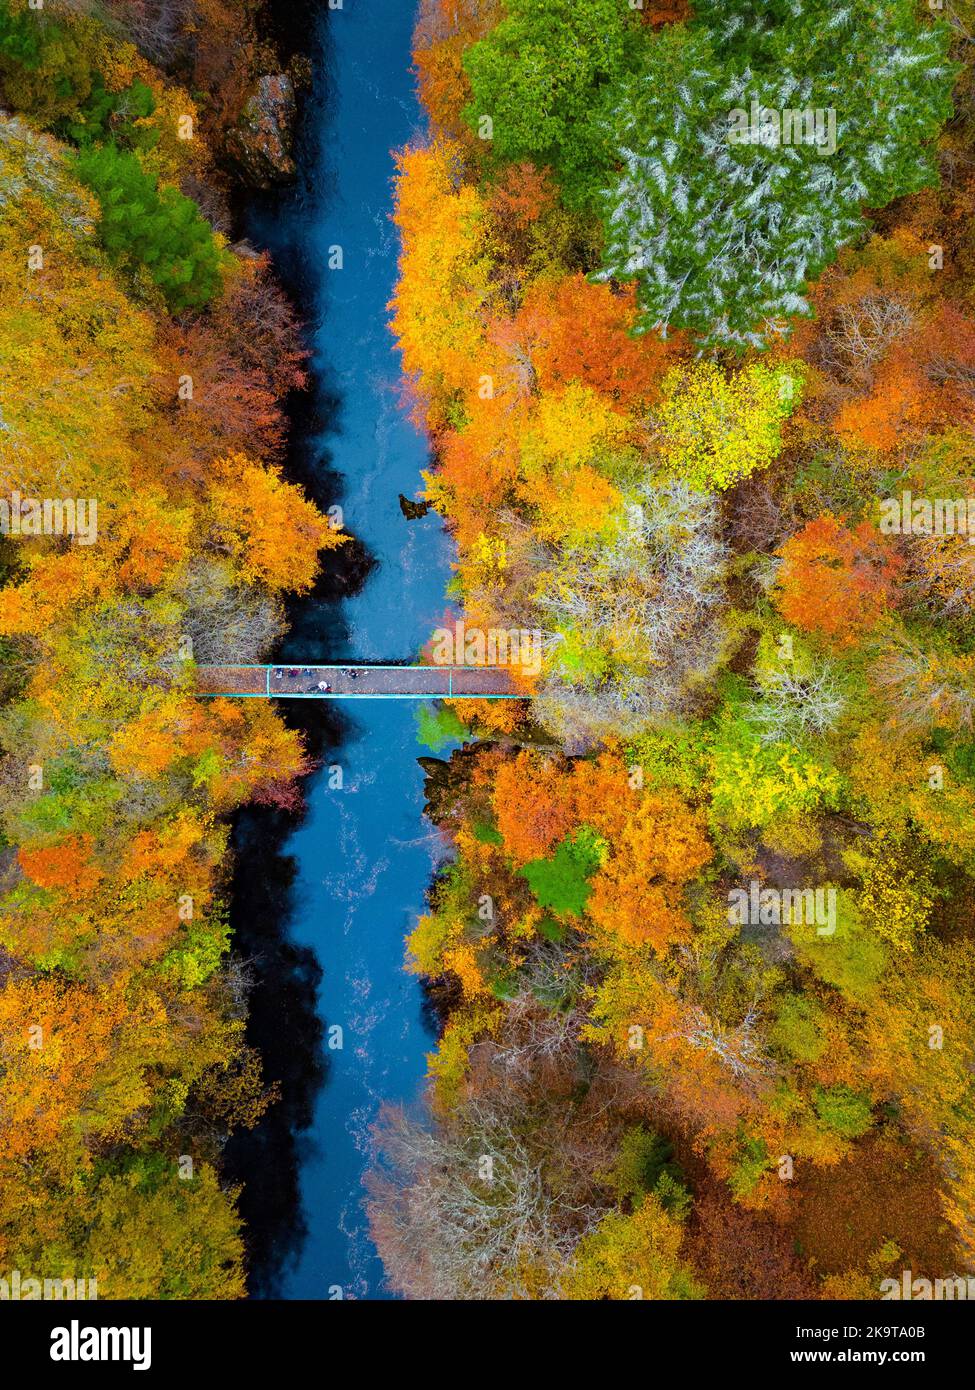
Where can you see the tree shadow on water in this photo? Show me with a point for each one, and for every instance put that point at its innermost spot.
(283, 1022)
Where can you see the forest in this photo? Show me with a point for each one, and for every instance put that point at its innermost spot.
(686, 305)
(702, 419)
(143, 364)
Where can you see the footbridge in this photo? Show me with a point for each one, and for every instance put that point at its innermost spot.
(357, 682)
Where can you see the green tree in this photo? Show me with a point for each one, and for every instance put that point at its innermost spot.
(721, 210)
(546, 77)
(562, 882)
(156, 229)
(852, 960)
(115, 115)
(46, 68)
(842, 1110)
(437, 725)
(21, 38)
(796, 1029)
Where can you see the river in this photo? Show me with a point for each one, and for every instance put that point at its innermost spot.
(324, 901)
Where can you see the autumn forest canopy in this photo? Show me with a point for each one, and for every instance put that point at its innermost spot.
(686, 303)
(143, 364)
(695, 363)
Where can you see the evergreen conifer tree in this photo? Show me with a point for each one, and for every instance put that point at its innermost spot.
(724, 208)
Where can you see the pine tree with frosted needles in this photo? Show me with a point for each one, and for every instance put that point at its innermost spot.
(724, 221)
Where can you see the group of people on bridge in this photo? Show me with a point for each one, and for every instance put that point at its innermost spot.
(321, 687)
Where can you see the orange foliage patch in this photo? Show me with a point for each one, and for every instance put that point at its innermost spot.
(573, 330)
(836, 581)
(638, 893)
(68, 866)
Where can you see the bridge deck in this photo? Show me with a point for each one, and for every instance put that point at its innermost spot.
(359, 682)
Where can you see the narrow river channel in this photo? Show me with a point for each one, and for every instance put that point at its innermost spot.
(349, 879)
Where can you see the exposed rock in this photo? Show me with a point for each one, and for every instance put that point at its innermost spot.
(246, 252)
(301, 70)
(412, 510)
(261, 141)
(446, 780)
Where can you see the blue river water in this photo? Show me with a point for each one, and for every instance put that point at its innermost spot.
(363, 854)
